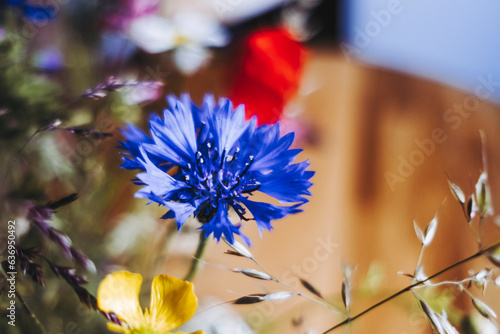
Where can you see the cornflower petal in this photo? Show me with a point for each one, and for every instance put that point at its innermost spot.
(156, 180)
(288, 186)
(135, 137)
(227, 125)
(220, 225)
(180, 211)
(274, 153)
(174, 137)
(187, 104)
(265, 212)
(179, 120)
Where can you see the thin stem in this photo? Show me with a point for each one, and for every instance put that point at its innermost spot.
(297, 292)
(195, 264)
(477, 236)
(409, 287)
(420, 256)
(480, 228)
(30, 313)
(28, 309)
(470, 294)
(458, 284)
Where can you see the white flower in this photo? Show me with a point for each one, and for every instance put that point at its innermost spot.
(188, 34)
(222, 319)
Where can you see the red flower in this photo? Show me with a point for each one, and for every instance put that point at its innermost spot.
(269, 74)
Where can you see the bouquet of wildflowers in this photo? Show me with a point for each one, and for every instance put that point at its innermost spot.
(126, 154)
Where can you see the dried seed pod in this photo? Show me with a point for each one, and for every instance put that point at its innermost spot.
(469, 212)
(439, 323)
(418, 232)
(497, 281)
(457, 193)
(482, 278)
(239, 249)
(260, 297)
(280, 295)
(484, 309)
(346, 286)
(310, 288)
(254, 273)
(249, 299)
(483, 197)
(430, 231)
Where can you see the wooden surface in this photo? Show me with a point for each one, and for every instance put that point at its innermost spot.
(365, 122)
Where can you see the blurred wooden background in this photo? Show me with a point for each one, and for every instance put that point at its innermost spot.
(365, 122)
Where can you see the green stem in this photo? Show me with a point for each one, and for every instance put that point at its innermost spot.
(30, 313)
(195, 264)
(409, 287)
(28, 309)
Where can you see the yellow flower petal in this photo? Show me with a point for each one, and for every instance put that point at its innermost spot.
(197, 332)
(119, 293)
(173, 302)
(117, 328)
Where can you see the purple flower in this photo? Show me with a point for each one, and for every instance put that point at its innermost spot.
(119, 14)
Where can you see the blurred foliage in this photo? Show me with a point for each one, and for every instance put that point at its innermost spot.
(40, 164)
(27, 99)
(48, 166)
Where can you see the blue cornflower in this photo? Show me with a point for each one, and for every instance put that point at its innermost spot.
(34, 11)
(208, 161)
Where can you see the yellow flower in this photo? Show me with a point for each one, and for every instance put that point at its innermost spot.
(173, 302)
